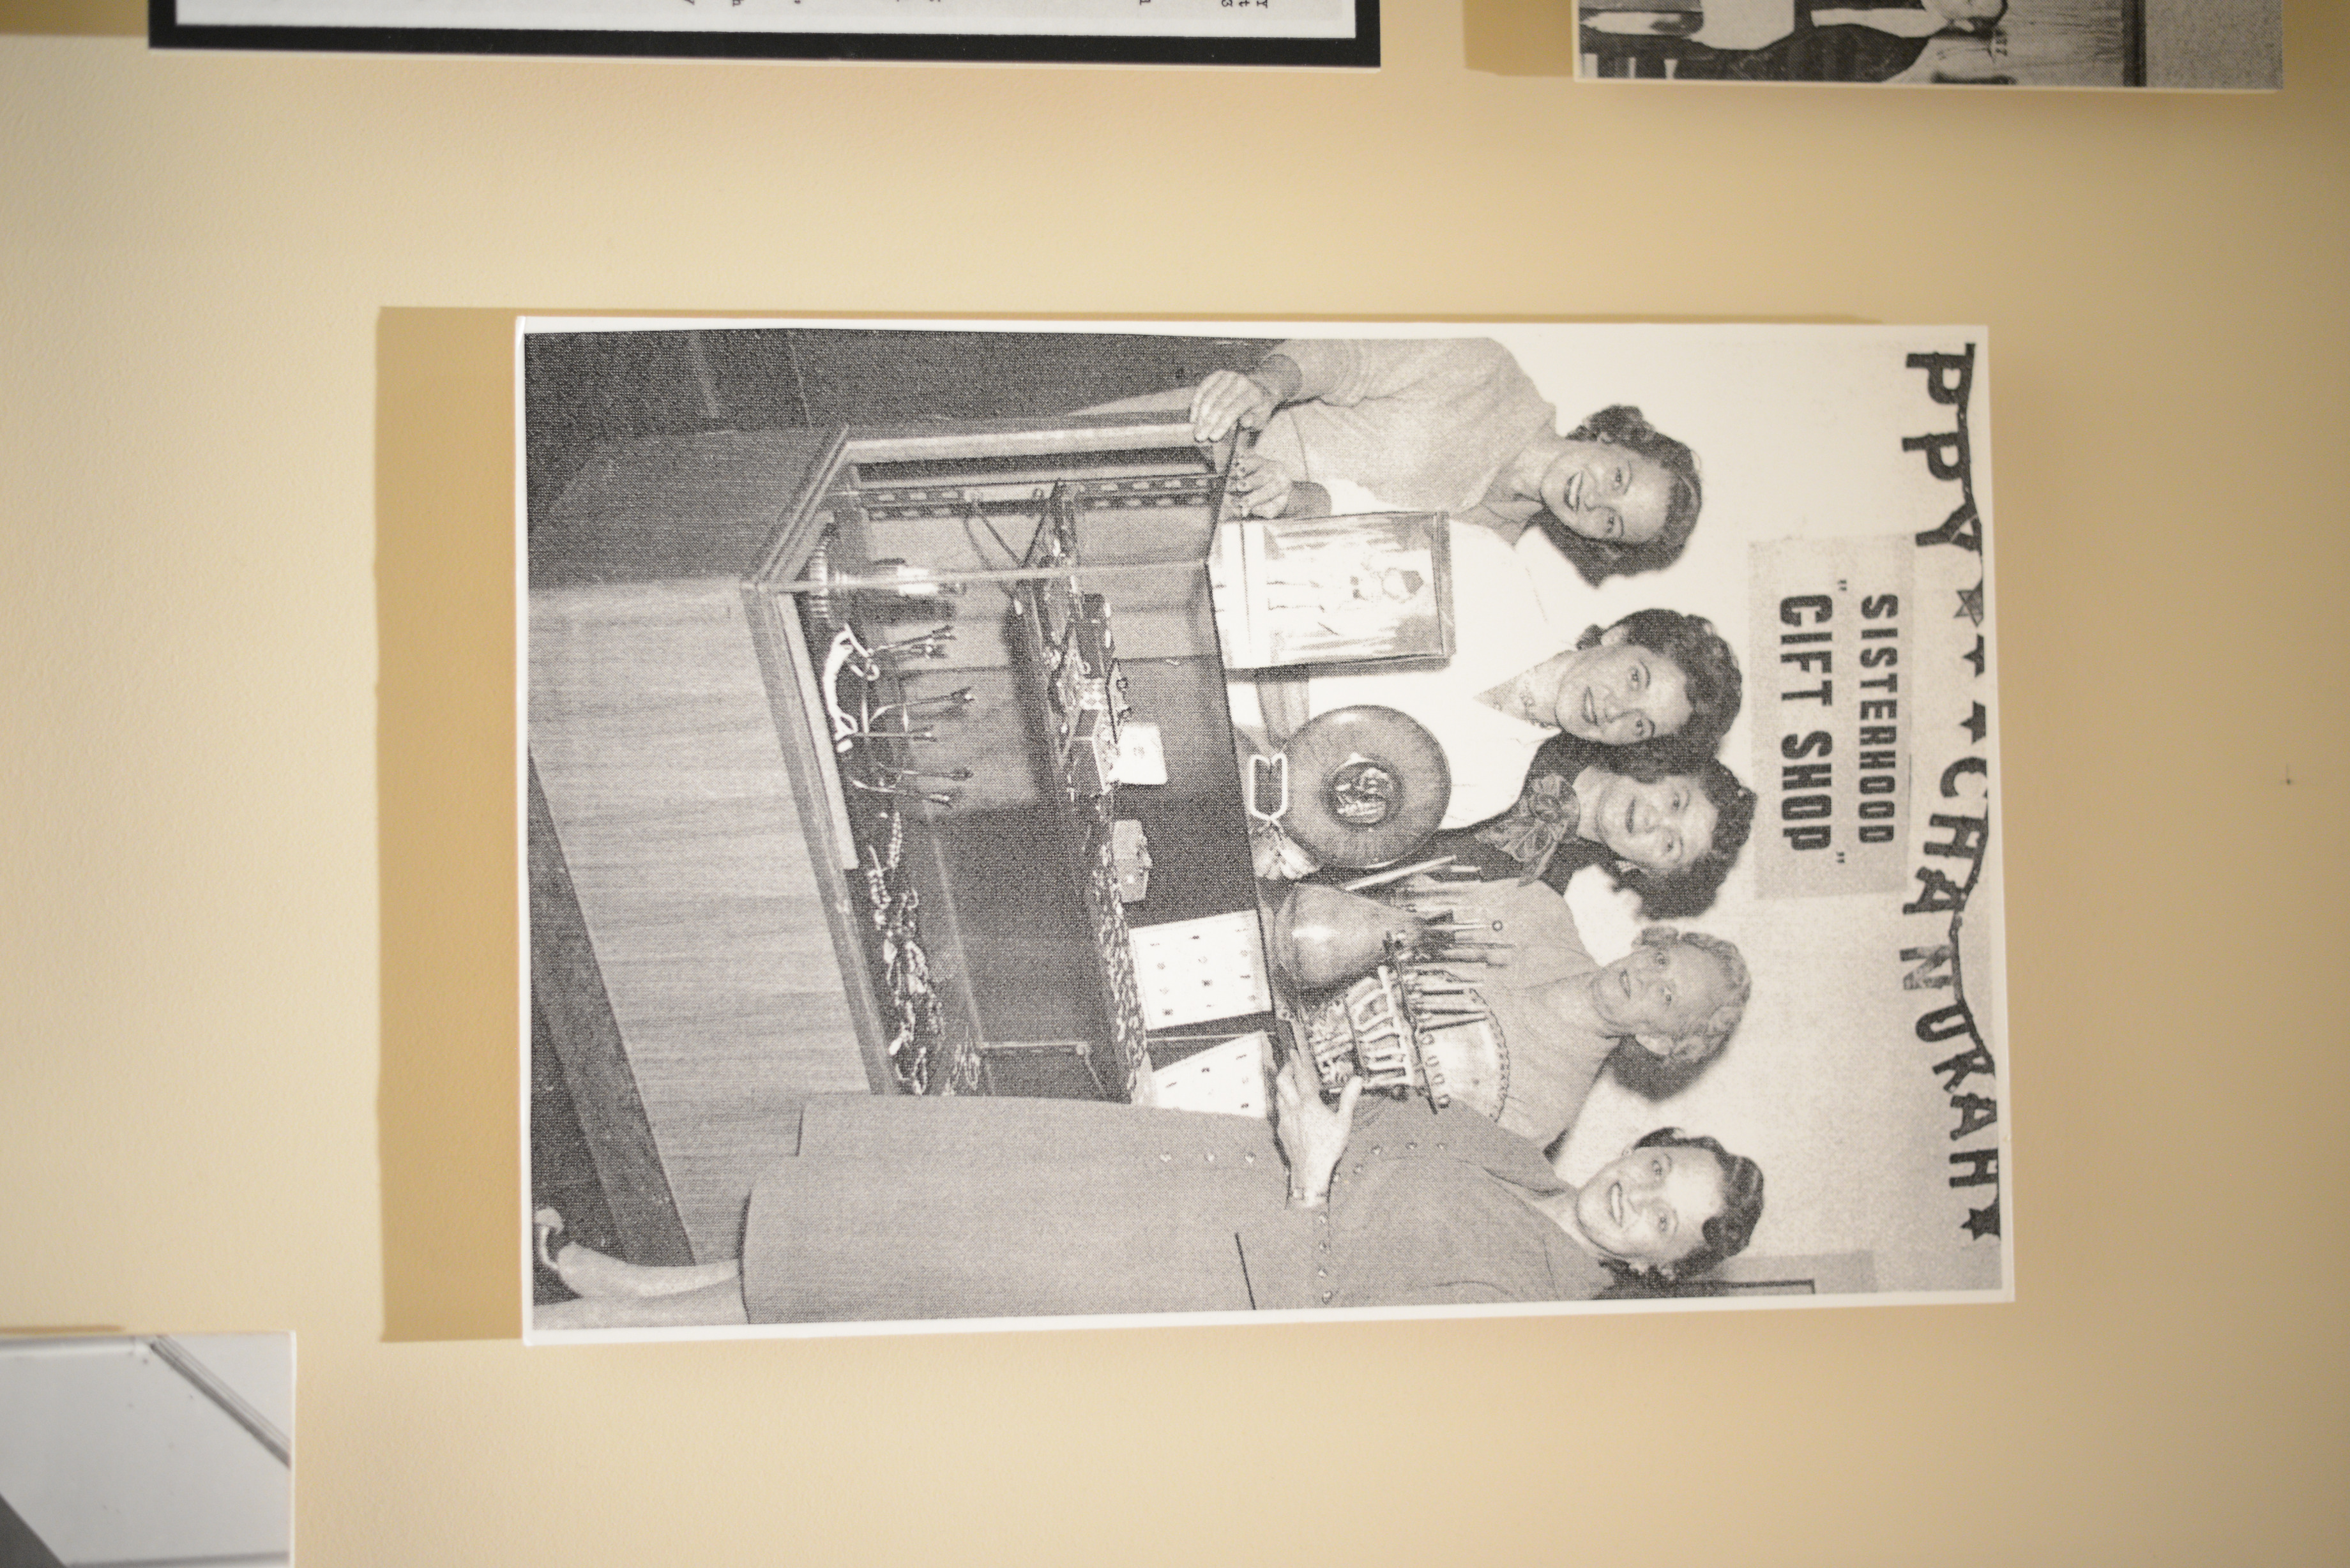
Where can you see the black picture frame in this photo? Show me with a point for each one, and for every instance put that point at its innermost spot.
(165, 30)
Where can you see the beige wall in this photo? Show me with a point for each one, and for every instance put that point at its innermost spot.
(256, 991)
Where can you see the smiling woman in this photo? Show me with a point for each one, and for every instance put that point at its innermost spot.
(1635, 498)
(1661, 686)
(1615, 693)
(1662, 825)
(1453, 425)
(899, 1208)
(1668, 831)
(1602, 492)
(1677, 994)
(1672, 1206)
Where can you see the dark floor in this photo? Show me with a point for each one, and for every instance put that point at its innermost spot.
(562, 1173)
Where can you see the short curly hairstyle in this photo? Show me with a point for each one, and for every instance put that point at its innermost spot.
(1647, 1073)
(1677, 894)
(1726, 1234)
(1716, 686)
(1663, 895)
(1620, 424)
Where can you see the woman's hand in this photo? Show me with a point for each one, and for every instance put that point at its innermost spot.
(1274, 857)
(1313, 1136)
(1226, 398)
(1260, 486)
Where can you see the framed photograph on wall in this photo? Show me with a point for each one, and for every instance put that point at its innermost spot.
(1341, 32)
(145, 1448)
(2226, 44)
(934, 922)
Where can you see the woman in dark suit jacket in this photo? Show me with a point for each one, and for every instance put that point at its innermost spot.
(1572, 814)
(902, 1208)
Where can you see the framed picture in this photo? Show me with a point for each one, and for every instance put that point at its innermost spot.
(1341, 32)
(932, 922)
(1333, 590)
(146, 1449)
(2192, 43)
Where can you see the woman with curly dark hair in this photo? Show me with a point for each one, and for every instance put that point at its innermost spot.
(1666, 830)
(902, 1207)
(1648, 1213)
(1602, 554)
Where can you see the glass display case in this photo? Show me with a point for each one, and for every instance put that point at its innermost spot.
(990, 658)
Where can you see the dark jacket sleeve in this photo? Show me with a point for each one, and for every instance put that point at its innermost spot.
(1429, 1208)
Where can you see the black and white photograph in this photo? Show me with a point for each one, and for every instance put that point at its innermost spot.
(2220, 45)
(1343, 33)
(147, 1451)
(937, 919)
